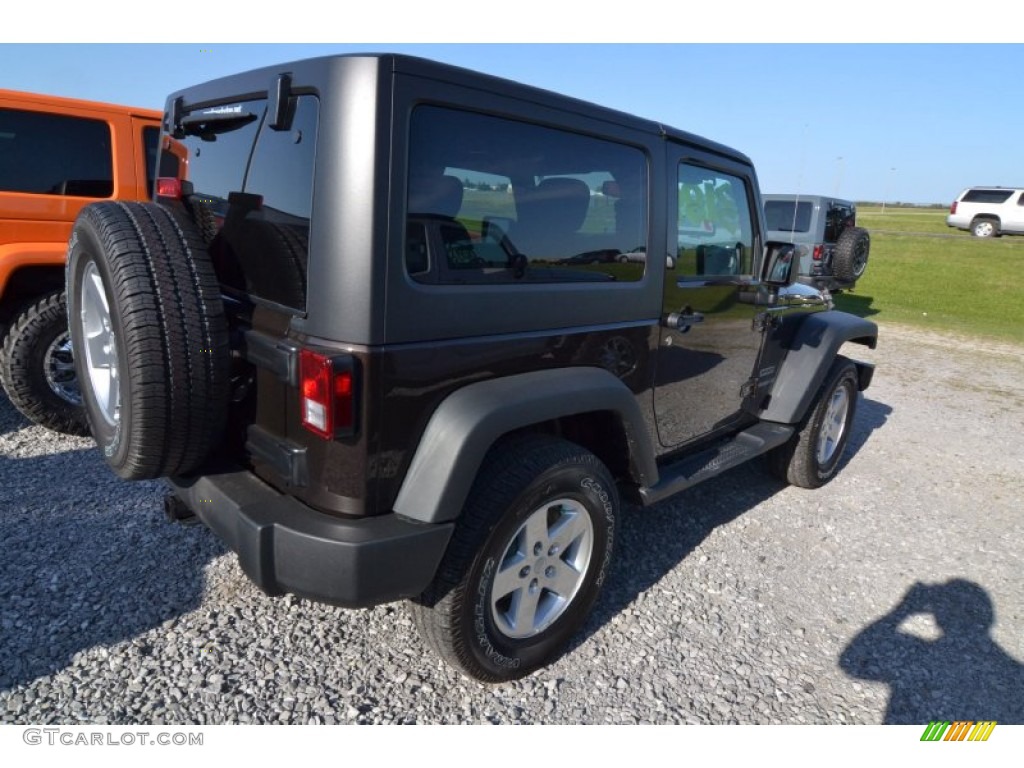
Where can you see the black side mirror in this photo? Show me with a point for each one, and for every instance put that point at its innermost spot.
(780, 263)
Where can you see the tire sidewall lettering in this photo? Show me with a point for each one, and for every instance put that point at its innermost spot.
(481, 620)
(593, 485)
(491, 647)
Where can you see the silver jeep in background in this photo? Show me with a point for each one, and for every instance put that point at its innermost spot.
(833, 249)
(988, 211)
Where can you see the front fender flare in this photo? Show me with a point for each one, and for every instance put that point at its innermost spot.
(470, 420)
(812, 349)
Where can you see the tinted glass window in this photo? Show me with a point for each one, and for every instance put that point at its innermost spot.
(787, 216)
(252, 193)
(55, 155)
(987, 196)
(151, 148)
(838, 218)
(500, 201)
(715, 234)
(218, 153)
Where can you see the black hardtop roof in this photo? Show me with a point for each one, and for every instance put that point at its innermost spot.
(255, 82)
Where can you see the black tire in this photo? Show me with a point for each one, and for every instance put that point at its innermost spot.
(521, 479)
(803, 460)
(850, 258)
(985, 228)
(167, 331)
(37, 370)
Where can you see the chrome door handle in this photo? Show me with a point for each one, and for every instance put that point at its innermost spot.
(683, 321)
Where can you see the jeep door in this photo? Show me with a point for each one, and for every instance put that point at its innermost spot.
(709, 341)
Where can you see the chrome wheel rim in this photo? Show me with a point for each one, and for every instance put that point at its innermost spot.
(833, 426)
(100, 345)
(984, 229)
(59, 368)
(542, 568)
(860, 262)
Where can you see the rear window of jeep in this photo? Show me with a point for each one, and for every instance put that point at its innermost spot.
(787, 216)
(253, 186)
(46, 154)
(493, 200)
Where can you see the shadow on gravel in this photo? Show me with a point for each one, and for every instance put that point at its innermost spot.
(653, 541)
(871, 416)
(85, 560)
(856, 304)
(10, 419)
(961, 675)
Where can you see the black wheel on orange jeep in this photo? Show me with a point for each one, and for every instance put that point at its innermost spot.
(149, 338)
(36, 368)
(526, 562)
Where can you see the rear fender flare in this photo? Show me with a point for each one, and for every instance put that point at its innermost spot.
(469, 421)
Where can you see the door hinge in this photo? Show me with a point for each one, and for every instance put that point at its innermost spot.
(762, 322)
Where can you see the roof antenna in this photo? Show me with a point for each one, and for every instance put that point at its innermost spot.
(799, 184)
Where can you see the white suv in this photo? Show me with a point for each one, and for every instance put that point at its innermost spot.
(988, 211)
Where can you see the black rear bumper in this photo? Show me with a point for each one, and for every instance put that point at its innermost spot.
(285, 546)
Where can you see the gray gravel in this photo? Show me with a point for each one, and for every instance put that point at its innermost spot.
(740, 601)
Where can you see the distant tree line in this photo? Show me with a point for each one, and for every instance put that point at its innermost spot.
(878, 203)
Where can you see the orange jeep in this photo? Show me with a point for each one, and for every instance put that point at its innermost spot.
(57, 155)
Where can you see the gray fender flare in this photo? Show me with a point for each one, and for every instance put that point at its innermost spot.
(812, 349)
(470, 420)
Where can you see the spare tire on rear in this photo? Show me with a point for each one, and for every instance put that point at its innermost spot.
(149, 338)
(850, 257)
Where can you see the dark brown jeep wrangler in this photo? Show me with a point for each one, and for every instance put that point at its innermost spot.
(379, 338)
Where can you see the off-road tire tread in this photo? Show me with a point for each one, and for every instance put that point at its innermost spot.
(507, 470)
(174, 336)
(845, 256)
(21, 374)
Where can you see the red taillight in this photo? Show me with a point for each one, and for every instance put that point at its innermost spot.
(166, 187)
(327, 388)
(344, 402)
(819, 252)
(952, 208)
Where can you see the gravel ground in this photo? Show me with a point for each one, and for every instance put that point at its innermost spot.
(740, 601)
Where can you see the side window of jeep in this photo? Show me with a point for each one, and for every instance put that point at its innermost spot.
(252, 197)
(714, 230)
(47, 154)
(493, 200)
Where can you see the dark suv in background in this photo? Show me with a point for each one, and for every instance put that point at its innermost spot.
(383, 341)
(833, 250)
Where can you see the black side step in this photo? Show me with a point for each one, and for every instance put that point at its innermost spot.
(714, 461)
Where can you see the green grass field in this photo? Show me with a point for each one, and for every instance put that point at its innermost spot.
(923, 273)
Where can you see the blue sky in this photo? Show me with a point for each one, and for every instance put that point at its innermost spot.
(908, 122)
